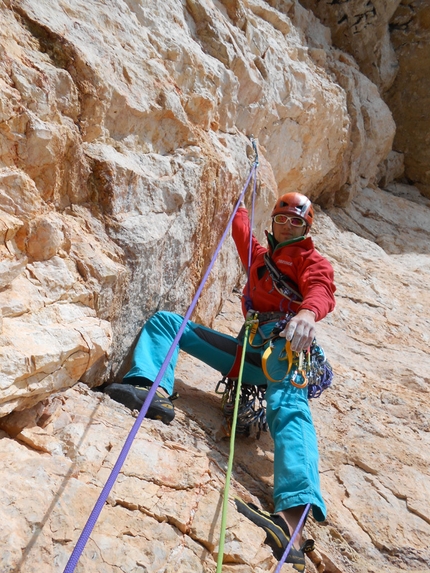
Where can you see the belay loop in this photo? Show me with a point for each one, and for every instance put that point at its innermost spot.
(251, 417)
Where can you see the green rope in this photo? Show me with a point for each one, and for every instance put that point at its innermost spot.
(231, 456)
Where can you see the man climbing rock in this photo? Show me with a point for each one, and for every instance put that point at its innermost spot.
(290, 288)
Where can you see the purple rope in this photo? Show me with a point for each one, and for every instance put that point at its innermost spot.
(248, 302)
(252, 211)
(251, 226)
(288, 548)
(82, 541)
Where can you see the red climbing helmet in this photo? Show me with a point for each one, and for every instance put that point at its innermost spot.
(295, 204)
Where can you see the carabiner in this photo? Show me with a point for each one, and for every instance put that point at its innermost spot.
(264, 360)
(300, 371)
(252, 322)
(294, 376)
(287, 356)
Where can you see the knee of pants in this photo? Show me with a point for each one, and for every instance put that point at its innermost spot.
(163, 322)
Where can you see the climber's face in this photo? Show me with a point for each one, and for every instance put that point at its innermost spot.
(287, 227)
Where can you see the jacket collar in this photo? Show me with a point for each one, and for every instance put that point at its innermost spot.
(274, 245)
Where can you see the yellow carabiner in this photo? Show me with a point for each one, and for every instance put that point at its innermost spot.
(294, 376)
(287, 356)
(253, 331)
(264, 360)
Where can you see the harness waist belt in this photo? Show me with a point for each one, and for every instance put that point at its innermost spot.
(264, 317)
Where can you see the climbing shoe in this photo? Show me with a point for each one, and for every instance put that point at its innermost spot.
(161, 407)
(277, 534)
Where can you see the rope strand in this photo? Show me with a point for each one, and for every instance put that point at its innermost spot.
(293, 537)
(238, 389)
(231, 457)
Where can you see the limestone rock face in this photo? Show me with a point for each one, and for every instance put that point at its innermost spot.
(390, 41)
(124, 144)
(164, 511)
(409, 97)
(361, 28)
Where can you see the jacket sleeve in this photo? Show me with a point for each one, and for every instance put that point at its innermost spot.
(317, 287)
(241, 233)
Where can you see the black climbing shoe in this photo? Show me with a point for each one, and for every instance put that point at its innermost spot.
(133, 397)
(277, 534)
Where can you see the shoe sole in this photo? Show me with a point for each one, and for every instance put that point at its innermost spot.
(133, 397)
(276, 536)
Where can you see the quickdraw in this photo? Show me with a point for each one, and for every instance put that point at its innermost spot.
(300, 372)
(264, 360)
(286, 353)
(311, 368)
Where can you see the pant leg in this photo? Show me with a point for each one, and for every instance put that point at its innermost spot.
(296, 476)
(211, 347)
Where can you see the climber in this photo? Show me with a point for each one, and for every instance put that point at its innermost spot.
(310, 278)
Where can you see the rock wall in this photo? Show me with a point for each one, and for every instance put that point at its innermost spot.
(124, 145)
(361, 28)
(409, 97)
(390, 41)
(164, 511)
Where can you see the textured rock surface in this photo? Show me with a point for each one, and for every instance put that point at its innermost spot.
(163, 513)
(361, 28)
(409, 97)
(390, 40)
(123, 146)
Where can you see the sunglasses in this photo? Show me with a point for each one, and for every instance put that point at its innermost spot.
(294, 221)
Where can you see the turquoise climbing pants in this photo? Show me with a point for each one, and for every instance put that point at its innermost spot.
(296, 477)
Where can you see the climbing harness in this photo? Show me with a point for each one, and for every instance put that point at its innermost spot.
(89, 526)
(283, 284)
(309, 368)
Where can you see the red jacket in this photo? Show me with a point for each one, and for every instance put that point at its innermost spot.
(311, 272)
